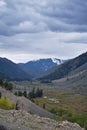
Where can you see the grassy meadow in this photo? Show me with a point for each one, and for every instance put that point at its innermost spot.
(65, 102)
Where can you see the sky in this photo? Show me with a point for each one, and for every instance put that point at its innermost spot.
(33, 29)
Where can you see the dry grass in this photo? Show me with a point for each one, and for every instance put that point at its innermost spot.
(67, 99)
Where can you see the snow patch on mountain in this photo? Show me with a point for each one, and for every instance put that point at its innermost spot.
(38, 67)
(57, 61)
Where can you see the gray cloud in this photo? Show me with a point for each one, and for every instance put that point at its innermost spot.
(44, 44)
(66, 15)
(23, 16)
(36, 28)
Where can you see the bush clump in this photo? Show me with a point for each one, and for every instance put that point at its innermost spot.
(6, 104)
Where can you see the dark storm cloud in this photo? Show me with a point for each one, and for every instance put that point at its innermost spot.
(73, 11)
(32, 16)
(66, 15)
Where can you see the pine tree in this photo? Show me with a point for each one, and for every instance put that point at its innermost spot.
(0, 94)
(25, 94)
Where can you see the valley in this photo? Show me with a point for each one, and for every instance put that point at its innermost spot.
(68, 103)
(60, 93)
(68, 97)
(43, 64)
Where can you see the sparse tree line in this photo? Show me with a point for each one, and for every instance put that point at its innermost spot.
(33, 94)
(5, 84)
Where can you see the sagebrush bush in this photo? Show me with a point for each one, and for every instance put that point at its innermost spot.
(6, 104)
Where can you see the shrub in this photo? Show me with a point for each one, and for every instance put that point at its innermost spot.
(6, 104)
(63, 114)
(81, 119)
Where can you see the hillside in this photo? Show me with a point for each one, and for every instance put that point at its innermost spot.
(76, 80)
(66, 68)
(38, 67)
(26, 104)
(12, 71)
(30, 117)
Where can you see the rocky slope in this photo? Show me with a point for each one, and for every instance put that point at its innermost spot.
(21, 120)
(26, 104)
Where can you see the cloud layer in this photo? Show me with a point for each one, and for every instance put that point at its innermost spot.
(31, 16)
(48, 28)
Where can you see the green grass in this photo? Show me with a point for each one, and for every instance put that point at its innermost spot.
(65, 114)
(6, 104)
(72, 106)
(67, 100)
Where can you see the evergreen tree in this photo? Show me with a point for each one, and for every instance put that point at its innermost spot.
(35, 93)
(1, 82)
(20, 93)
(17, 106)
(39, 92)
(8, 86)
(16, 93)
(25, 94)
(31, 94)
(0, 94)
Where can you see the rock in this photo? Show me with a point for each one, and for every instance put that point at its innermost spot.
(65, 125)
(2, 127)
(22, 120)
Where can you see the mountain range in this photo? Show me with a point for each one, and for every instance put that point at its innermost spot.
(12, 71)
(26, 71)
(73, 66)
(49, 69)
(38, 67)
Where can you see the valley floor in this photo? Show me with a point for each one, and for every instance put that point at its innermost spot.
(68, 103)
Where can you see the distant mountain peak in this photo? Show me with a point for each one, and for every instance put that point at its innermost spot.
(66, 68)
(38, 67)
(54, 60)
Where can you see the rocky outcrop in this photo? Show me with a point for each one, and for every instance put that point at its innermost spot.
(21, 120)
(65, 125)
